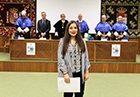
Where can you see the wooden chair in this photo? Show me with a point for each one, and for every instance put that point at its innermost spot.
(7, 42)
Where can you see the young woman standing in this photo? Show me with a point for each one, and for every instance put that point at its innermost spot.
(73, 57)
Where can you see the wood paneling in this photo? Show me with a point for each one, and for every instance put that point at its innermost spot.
(45, 50)
(28, 66)
(2, 43)
(55, 48)
(100, 51)
(138, 44)
(97, 50)
(127, 54)
(91, 51)
(52, 67)
(115, 68)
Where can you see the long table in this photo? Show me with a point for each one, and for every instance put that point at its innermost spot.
(98, 51)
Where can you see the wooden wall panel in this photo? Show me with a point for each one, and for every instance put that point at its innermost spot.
(114, 68)
(138, 44)
(28, 66)
(52, 67)
(55, 49)
(2, 43)
(91, 50)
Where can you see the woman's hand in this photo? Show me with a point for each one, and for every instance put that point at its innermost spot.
(86, 76)
(67, 78)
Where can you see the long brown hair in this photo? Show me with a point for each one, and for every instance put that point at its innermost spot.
(67, 37)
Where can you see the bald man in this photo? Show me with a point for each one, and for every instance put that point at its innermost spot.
(103, 29)
(120, 29)
(23, 25)
(83, 26)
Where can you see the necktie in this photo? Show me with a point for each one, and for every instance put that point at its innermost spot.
(43, 24)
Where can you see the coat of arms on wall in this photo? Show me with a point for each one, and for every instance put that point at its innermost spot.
(128, 9)
(12, 15)
(10, 11)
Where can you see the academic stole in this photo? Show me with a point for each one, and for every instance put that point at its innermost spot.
(80, 25)
(62, 25)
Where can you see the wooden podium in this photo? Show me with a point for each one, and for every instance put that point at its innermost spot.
(98, 51)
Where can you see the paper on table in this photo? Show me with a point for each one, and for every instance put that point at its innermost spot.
(20, 37)
(42, 38)
(124, 40)
(103, 39)
(73, 86)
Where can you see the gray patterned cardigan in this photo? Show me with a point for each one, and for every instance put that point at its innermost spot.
(64, 63)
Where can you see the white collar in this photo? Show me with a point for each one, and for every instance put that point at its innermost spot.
(81, 21)
(63, 21)
(43, 20)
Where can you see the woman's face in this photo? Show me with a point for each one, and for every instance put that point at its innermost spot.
(73, 30)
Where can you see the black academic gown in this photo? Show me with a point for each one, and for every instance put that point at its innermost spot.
(59, 29)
